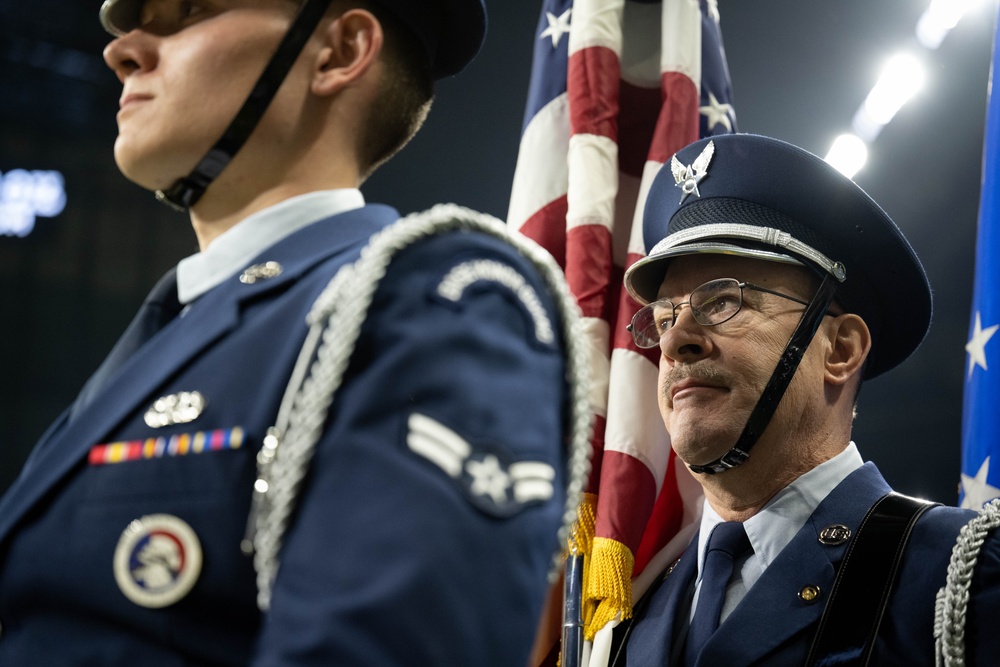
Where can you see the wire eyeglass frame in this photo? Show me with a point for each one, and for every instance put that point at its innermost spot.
(708, 305)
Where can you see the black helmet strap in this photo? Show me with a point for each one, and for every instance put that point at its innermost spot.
(187, 191)
(780, 378)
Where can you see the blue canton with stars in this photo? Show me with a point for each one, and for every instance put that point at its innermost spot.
(550, 65)
(981, 410)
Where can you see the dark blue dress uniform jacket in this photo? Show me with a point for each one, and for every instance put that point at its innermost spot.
(772, 626)
(388, 560)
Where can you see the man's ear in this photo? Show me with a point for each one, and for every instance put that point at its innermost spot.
(351, 44)
(850, 342)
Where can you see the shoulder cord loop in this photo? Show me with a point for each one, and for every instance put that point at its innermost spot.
(334, 326)
(953, 600)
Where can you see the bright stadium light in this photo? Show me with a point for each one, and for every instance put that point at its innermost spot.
(27, 195)
(902, 77)
(939, 18)
(847, 154)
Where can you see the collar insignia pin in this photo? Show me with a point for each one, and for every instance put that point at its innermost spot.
(834, 535)
(689, 176)
(263, 271)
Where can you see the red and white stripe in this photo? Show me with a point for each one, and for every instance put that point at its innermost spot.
(585, 165)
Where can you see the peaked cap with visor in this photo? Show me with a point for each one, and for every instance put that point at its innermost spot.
(757, 197)
(450, 31)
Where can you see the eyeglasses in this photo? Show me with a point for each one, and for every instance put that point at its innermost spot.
(715, 302)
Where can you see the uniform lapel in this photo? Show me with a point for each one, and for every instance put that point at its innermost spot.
(773, 613)
(209, 319)
(652, 636)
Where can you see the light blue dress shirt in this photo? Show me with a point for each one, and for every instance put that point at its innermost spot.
(773, 527)
(232, 250)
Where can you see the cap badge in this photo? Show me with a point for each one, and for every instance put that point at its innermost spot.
(157, 560)
(179, 408)
(689, 176)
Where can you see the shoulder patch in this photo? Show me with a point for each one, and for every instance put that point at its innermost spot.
(460, 277)
(489, 477)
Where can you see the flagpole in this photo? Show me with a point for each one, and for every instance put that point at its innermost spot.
(572, 639)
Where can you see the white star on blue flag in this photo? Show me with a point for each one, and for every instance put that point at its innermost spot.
(976, 491)
(558, 26)
(976, 347)
(980, 416)
(717, 113)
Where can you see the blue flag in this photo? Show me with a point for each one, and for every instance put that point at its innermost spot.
(981, 409)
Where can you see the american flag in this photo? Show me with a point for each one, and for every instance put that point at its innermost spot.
(980, 418)
(617, 87)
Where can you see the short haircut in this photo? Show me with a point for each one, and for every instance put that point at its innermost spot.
(405, 93)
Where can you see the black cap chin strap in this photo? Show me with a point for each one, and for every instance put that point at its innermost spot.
(183, 194)
(776, 386)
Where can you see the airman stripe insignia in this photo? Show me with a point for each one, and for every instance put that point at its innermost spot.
(487, 476)
(532, 480)
(179, 444)
(437, 443)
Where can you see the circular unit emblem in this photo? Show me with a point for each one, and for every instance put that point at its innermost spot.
(157, 560)
(834, 535)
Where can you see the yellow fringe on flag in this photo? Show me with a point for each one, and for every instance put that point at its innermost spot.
(583, 540)
(608, 585)
(583, 529)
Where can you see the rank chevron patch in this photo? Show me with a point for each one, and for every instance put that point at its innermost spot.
(489, 478)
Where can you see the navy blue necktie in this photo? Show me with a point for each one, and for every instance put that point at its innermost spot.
(159, 308)
(726, 545)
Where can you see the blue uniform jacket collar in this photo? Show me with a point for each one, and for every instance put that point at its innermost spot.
(217, 313)
(772, 613)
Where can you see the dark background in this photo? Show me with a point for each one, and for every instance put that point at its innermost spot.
(799, 72)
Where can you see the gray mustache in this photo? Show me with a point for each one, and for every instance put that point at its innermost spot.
(707, 374)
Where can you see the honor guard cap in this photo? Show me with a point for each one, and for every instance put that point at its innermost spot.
(451, 31)
(758, 197)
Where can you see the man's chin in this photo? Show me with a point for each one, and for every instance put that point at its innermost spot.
(145, 179)
(704, 448)
(149, 173)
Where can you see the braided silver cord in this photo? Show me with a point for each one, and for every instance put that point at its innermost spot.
(938, 628)
(953, 600)
(335, 322)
